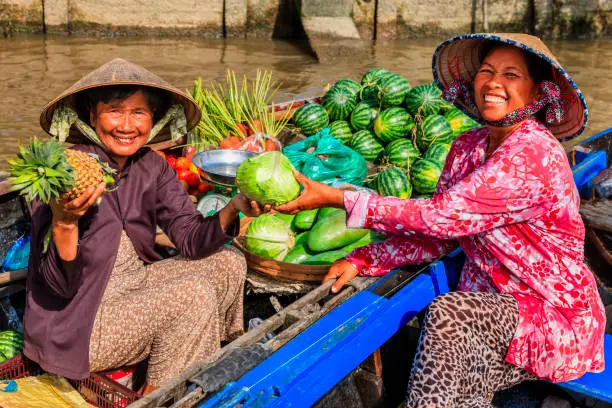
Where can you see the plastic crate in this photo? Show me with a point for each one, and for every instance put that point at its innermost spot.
(97, 389)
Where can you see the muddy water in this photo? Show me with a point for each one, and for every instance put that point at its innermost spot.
(33, 70)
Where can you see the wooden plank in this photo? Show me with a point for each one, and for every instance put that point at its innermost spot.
(373, 363)
(597, 214)
(13, 276)
(4, 186)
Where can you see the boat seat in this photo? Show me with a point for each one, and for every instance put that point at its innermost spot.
(596, 385)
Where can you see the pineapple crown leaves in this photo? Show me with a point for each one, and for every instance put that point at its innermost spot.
(41, 171)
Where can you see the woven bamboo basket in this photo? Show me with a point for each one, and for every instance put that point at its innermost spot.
(279, 269)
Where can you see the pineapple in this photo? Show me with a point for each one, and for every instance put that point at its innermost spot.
(45, 171)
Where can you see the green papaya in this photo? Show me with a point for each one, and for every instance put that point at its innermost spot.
(301, 238)
(325, 211)
(331, 233)
(325, 258)
(298, 254)
(367, 239)
(329, 257)
(304, 220)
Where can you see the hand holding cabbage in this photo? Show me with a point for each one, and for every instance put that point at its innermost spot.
(314, 195)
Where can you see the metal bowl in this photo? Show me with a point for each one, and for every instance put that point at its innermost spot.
(219, 166)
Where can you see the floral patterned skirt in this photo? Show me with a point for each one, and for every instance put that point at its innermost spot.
(176, 311)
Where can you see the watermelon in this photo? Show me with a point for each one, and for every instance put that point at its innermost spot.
(339, 103)
(364, 115)
(459, 121)
(402, 153)
(11, 344)
(351, 86)
(365, 143)
(424, 100)
(393, 90)
(393, 123)
(433, 129)
(393, 182)
(437, 153)
(370, 83)
(373, 75)
(311, 118)
(424, 175)
(341, 130)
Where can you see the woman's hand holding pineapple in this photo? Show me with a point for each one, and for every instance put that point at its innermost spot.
(69, 212)
(66, 214)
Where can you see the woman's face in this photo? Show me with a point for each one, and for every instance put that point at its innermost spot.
(503, 84)
(123, 125)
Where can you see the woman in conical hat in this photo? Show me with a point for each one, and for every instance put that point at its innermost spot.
(527, 305)
(99, 296)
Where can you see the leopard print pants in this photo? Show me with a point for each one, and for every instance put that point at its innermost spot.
(175, 311)
(460, 358)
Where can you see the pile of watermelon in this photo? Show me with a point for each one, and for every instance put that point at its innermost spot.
(406, 131)
(11, 344)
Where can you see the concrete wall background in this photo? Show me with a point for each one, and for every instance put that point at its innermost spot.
(375, 19)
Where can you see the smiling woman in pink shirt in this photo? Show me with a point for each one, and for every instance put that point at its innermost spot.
(527, 305)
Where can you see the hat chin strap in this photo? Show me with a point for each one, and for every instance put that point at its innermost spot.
(64, 117)
(551, 100)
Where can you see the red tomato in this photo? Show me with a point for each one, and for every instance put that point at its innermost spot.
(257, 126)
(183, 174)
(192, 179)
(168, 156)
(193, 191)
(243, 129)
(270, 145)
(204, 187)
(182, 163)
(189, 151)
(171, 161)
(230, 142)
(185, 185)
(252, 146)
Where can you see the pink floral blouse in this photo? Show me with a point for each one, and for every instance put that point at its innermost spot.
(516, 217)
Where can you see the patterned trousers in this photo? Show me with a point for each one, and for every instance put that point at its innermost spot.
(460, 358)
(175, 311)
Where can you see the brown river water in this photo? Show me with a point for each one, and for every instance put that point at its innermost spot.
(34, 70)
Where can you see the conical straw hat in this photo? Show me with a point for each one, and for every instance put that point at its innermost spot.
(459, 58)
(119, 72)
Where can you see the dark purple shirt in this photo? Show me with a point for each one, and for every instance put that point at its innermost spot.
(63, 297)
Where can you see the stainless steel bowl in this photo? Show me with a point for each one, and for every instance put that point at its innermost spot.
(219, 166)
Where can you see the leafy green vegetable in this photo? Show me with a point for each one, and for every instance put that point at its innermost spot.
(268, 179)
(269, 236)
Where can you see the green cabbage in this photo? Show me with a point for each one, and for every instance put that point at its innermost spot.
(268, 179)
(269, 236)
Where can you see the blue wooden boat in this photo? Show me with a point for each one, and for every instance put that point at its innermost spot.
(310, 365)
